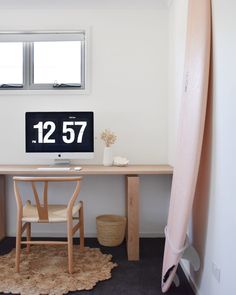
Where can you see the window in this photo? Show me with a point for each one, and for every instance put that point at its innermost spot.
(11, 65)
(42, 61)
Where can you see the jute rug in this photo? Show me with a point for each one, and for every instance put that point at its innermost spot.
(44, 270)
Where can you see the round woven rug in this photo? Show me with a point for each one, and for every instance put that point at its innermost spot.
(44, 270)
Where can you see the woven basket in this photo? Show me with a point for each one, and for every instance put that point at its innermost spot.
(110, 229)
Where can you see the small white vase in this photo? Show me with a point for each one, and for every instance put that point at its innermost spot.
(107, 156)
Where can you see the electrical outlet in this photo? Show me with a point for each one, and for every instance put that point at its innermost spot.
(215, 271)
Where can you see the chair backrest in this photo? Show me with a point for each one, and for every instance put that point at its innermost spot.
(43, 208)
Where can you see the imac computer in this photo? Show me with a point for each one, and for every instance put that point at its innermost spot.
(60, 135)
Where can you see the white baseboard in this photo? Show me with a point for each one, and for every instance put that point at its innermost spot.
(190, 280)
(87, 235)
(152, 235)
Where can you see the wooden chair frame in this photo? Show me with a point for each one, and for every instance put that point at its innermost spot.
(42, 210)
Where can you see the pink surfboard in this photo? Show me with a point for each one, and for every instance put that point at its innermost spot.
(190, 135)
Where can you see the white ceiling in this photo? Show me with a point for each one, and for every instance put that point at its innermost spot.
(84, 4)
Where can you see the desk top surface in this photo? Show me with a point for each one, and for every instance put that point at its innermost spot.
(87, 170)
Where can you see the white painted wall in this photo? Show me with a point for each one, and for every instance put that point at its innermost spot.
(213, 224)
(82, 4)
(128, 73)
(128, 76)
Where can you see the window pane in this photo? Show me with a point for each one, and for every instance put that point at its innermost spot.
(11, 63)
(57, 62)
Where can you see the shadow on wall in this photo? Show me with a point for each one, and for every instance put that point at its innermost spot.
(202, 194)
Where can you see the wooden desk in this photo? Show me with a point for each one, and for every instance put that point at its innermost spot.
(131, 174)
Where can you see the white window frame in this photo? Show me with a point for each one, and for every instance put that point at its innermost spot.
(28, 38)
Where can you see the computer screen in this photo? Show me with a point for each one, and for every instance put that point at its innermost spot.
(66, 134)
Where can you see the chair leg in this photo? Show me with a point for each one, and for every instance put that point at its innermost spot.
(81, 231)
(18, 244)
(70, 244)
(28, 236)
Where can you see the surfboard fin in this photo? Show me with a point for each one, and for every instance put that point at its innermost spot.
(176, 280)
(192, 256)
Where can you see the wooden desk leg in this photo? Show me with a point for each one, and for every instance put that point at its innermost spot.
(2, 208)
(132, 209)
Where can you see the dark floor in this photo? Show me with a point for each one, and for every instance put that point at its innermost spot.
(132, 278)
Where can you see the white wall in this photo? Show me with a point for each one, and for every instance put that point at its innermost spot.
(213, 224)
(128, 93)
(128, 76)
(88, 4)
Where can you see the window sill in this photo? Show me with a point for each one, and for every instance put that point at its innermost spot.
(45, 92)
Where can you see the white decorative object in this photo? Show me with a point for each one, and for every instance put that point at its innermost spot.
(120, 161)
(107, 156)
(109, 138)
